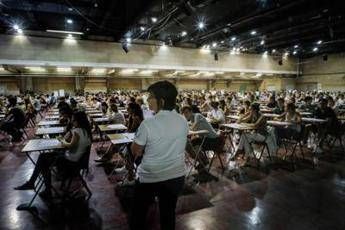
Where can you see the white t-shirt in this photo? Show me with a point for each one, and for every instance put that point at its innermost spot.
(75, 153)
(164, 137)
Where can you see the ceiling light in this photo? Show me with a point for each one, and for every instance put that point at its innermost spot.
(315, 49)
(201, 25)
(262, 42)
(265, 54)
(70, 9)
(128, 71)
(64, 69)
(64, 32)
(128, 40)
(233, 38)
(294, 52)
(16, 27)
(286, 54)
(273, 51)
(154, 19)
(253, 32)
(222, 42)
(214, 44)
(296, 46)
(183, 33)
(319, 42)
(69, 21)
(35, 69)
(99, 71)
(142, 28)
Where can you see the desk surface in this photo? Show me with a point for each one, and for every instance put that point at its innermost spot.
(121, 138)
(52, 117)
(313, 120)
(239, 126)
(48, 123)
(279, 123)
(50, 130)
(101, 119)
(112, 127)
(42, 144)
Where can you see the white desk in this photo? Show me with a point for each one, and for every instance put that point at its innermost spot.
(49, 123)
(121, 138)
(50, 130)
(113, 127)
(41, 145)
(313, 120)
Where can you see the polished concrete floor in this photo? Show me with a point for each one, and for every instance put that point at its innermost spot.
(272, 197)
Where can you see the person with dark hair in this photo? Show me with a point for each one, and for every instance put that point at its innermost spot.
(272, 103)
(292, 116)
(216, 115)
(258, 122)
(77, 142)
(279, 109)
(14, 120)
(135, 117)
(104, 107)
(211, 140)
(307, 106)
(161, 142)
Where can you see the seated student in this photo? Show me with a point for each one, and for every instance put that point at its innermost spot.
(272, 103)
(146, 111)
(76, 143)
(330, 127)
(135, 117)
(292, 116)
(307, 106)
(245, 109)
(116, 117)
(199, 122)
(258, 122)
(104, 108)
(280, 106)
(14, 120)
(216, 115)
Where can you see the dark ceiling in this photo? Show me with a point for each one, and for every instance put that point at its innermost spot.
(281, 25)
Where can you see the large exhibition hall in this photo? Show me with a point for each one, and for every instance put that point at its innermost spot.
(162, 114)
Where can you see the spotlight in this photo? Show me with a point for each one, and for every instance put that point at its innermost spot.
(294, 52)
(262, 42)
(183, 33)
(154, 19)
(296, 46)
(201, 25)
(233, 38)
(253, 32)
(319, 42)
(221, 42)
(69, 21)
(128, 40)
(273, 51)
(125, 47)
(214, 44)
(315, 49)
(16, 27)
(142, 28)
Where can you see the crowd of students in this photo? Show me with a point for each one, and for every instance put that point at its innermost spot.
(159, 118)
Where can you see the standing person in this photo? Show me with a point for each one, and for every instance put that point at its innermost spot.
(161, 142)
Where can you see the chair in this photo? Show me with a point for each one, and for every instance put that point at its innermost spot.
(296, 142)
(337, 135)
(80, 170)
(217, 150)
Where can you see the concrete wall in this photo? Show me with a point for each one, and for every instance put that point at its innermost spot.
(326, 75)
(49, 51)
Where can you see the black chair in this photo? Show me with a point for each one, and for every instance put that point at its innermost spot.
(296, 141)
(79, 170)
